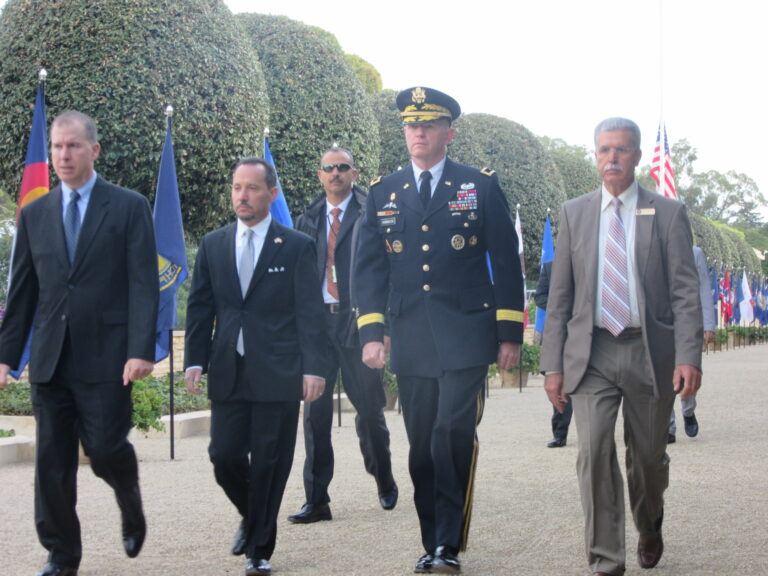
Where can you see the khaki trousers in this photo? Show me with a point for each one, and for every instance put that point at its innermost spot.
(619, 375)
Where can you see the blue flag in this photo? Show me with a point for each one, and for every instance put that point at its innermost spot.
(715, 291)
(171, 252)
(34, 183)
(547, 255)
(279, 208)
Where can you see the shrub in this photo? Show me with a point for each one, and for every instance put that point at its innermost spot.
(122, 62)
(316, 101)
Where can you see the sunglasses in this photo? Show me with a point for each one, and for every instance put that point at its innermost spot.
(340, 167)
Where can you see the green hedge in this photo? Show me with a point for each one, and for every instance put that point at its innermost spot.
(122, 62)
(527, 174)
(316, 101)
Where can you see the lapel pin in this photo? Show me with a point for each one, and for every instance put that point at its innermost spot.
(278, 240)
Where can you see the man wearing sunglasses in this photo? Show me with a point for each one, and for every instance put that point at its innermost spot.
(331, 220)
(421, 264)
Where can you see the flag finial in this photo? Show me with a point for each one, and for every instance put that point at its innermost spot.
(518, 206)
(42, 74)
(266, 131)
(169, 110)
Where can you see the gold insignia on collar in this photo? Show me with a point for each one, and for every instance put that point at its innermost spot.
(487, 172)
(448, 183)
(375, 181)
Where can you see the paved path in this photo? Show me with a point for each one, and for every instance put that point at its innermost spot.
(527, 516)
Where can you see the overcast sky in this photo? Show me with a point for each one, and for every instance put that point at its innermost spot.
(560, 66)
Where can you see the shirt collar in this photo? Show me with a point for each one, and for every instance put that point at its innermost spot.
(259, 229)
(628, 197)
(342, 205)
(84, 190)
(436, 170)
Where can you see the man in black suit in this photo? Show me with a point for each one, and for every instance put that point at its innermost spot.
(330, 221)
(421, 260)
(255, 325)
(561, 421)
(85, 271)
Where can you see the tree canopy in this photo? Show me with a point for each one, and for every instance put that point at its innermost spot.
(528, 175)
(316, 101)
(121, 63)
(576, 165)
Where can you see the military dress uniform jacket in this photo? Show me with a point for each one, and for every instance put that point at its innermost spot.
(426, 270)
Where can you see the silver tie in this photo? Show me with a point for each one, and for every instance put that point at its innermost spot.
(247, 263)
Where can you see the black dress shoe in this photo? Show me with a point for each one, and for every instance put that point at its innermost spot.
(310, 513)
(388, 500)
(691, 425)
(446, 561)
(255, 566)
(424, 565)
(238, 543)
(134, 523)
(52, 569)
(671, 439)
(557, 443)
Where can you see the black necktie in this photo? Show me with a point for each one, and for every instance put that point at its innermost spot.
(72, 224)
(425, 189)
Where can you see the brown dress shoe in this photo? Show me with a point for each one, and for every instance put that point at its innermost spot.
(650, 547)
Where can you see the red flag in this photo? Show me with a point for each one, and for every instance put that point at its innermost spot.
(661, 167)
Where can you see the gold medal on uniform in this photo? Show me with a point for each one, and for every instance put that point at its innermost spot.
(397, 246)
(473, 240)
(457, 242)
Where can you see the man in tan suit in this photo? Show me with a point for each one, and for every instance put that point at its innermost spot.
(623, 328)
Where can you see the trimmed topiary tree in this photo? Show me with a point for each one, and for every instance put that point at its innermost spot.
(576, 165)
(316, 100)
(122, 62)
(366, 73)
(527, 174)
(394, 152)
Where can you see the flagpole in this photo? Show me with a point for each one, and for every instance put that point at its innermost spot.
(662, 127)
(168, 114)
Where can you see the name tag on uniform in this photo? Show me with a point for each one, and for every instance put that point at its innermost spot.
(645, 211)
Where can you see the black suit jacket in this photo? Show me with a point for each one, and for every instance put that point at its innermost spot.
(281, 316)
(426, 270)
(314, 223)
(107, 299)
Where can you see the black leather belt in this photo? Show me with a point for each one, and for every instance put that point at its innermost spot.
(625, 334)
(333, 308)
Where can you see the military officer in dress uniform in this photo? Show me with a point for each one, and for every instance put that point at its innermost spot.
(421, 268)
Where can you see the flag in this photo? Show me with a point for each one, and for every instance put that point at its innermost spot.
(735, 296)
(757, 301)
(547, 255)
(746, 304)
(519, 231)
(171, 252)
(35, 181)
(279, 208)
(725, 297)
(715, 290)
(661, 167)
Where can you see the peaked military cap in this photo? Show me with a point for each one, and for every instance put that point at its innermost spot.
(420, 104)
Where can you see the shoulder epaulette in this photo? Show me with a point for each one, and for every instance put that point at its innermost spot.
(487, 172)
(375, 181)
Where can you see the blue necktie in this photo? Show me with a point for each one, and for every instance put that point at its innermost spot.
(72, 224)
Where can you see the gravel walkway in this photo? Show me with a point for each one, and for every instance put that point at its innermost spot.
(527, 516)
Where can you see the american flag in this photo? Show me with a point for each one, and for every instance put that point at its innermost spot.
(668, 187)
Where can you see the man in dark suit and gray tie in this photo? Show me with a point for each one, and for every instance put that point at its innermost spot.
(255, 325)
(623, 328)
(85, 272)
